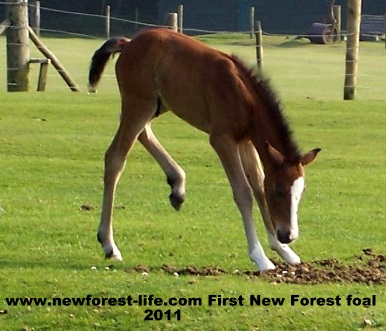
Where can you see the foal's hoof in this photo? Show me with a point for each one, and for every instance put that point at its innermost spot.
(267, 267)
(176, 201)
(117, 257)
(113, 254)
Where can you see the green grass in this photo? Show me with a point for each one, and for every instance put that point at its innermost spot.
(51, 161)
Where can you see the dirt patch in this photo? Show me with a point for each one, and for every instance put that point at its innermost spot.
(369, 268)
(207, 271)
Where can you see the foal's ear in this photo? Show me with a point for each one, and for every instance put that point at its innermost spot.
(274, 154)
(309, 157)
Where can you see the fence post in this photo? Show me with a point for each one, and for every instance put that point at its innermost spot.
(252, 21)
(136, 18)
(259, 45)
(35, 17)
(352, 47)
(108, 22)
(180, 18)
(171, 21)
(17, 46)
(338, 16)
(385, 29)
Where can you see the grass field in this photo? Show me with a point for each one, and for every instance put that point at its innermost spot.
(51, 161)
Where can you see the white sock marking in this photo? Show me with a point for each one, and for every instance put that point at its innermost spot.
(258, 256)
(283, 250)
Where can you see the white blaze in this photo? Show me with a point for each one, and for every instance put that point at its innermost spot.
(297, 189)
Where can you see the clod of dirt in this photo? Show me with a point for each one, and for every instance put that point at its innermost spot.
(87, 207)
(140, 269)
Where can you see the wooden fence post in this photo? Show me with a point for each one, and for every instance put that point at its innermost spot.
(35, 17)
(180, 18)
(252, 21)
(259, 45)
(352, 47)
(337, 10)
(42, 79)
(385, 29)
(136, 18)
(108, 22)
(171, 21)
(17, 46)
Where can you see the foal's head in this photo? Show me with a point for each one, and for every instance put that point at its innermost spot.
(284, 185)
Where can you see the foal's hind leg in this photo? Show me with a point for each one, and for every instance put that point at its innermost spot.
(228, 151)
(134, 116)
(174, 174)
(255, 174)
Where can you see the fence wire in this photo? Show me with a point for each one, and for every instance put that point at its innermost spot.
(51, 18)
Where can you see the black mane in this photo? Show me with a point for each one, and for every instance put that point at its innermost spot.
(265, 92)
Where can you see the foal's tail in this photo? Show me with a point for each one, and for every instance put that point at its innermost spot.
(100, 58)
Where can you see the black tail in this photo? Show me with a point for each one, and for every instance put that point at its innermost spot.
(100, 58)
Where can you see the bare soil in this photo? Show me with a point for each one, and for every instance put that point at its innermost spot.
(368, 268)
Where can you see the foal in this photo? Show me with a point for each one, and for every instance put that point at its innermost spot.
(162, 70)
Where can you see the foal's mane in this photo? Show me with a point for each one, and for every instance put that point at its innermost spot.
(261, 85)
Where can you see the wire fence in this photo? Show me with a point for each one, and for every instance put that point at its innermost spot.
(282, 54)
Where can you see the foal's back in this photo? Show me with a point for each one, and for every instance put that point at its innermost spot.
(193, 80)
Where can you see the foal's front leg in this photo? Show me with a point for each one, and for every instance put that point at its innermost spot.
(175, 175)
(228, 151)
(255, 174)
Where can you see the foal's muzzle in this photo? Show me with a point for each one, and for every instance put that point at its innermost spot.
(284, 237)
